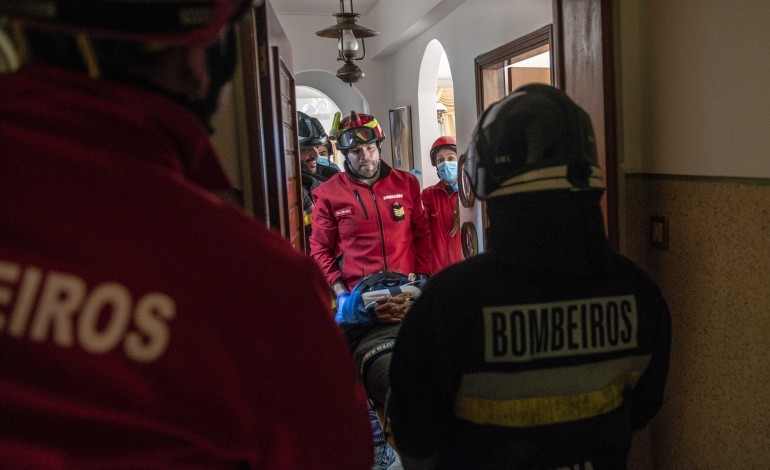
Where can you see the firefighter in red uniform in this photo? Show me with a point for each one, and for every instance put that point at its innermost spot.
(145, 323)
(369, 218)
(440, 204)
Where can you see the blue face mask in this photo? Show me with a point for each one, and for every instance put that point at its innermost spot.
(447, 171)
(322, 161)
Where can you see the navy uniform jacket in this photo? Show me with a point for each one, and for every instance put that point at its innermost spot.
(546, 351)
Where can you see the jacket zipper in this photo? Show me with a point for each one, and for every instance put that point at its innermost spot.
(360, 201)
(382, 233)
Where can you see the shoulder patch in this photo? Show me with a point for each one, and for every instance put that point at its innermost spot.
(343, 212)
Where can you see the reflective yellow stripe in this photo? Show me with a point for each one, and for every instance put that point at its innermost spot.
(538, 411)
(307, 219)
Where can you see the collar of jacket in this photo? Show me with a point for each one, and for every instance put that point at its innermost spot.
(384, 172)
(555, 231)
(154, 128)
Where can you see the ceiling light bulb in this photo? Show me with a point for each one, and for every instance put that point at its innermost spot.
(348, 44)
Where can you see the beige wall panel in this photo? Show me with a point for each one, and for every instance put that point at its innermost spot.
(716, 278)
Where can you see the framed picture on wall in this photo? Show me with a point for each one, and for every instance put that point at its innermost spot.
(401, 138)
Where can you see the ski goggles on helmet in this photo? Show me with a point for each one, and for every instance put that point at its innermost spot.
(349, 138)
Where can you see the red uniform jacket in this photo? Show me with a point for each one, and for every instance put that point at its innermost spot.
(440, 207)
(378, 228)
(143, 322)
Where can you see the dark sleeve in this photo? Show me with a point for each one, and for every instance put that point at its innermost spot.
(647, 396)
(422, 383)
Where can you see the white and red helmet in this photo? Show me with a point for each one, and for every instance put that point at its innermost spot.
(162, 22)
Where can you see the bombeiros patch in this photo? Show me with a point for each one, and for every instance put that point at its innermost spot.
(523, 333)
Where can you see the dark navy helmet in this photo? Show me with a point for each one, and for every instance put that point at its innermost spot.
(535, 139)
(311, 132)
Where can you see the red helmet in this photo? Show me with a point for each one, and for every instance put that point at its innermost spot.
(177, 22)
(358, 129)
(445, 141)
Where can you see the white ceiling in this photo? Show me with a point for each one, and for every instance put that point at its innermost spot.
(298, 7)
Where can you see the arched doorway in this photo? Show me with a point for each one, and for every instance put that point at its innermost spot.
(435, 97)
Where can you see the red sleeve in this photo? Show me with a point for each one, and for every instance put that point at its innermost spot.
(324, 237)
(420, 230)
(321, 417)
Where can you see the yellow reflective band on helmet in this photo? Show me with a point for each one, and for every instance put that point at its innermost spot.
(544, 179)
(540, 411)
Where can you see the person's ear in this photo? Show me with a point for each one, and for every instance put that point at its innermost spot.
(195, 61)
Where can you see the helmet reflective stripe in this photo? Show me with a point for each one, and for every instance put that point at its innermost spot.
(554, 177)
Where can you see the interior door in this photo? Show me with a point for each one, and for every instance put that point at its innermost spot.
(499, 72)
(270, 112)
(583, 49)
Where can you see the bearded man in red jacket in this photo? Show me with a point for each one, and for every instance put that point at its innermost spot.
(368, 219)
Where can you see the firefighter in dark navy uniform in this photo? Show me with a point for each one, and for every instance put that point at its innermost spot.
(144, 322)
(548, 350)
(312, 137)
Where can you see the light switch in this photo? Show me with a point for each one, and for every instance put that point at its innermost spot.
(659, 232)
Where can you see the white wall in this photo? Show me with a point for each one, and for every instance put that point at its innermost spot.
(694, 78)
(311, 53)
(473, 28)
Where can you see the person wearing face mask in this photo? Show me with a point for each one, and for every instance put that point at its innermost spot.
(440, 204)
(325, 154)
(313, 150)
(367, 220)
(312, 138)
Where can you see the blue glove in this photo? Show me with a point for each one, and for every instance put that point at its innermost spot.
(341, 299)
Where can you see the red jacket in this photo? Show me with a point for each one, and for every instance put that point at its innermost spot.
(378, 228)
(143, 322)
(440, 207)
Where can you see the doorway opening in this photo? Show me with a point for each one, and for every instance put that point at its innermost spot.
(315, 103)
(436, 101)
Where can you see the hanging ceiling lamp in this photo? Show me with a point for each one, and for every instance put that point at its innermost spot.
(347, 33)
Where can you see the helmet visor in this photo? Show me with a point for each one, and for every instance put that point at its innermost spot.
(351, 137)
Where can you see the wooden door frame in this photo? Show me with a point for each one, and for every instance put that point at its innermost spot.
(589, 79)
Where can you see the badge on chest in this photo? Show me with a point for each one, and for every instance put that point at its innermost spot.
(398, 211)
